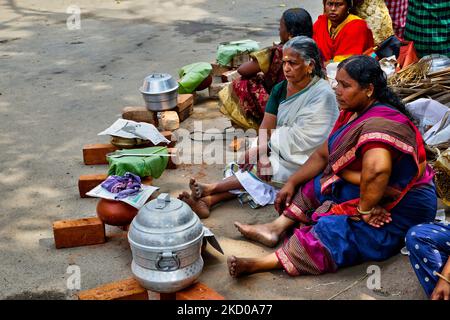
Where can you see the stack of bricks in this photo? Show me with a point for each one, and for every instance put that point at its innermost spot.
(184, 109)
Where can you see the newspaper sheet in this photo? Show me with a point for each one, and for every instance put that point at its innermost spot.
(132, 129)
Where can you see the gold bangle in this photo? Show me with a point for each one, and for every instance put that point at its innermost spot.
(442, 277)
(364, 213)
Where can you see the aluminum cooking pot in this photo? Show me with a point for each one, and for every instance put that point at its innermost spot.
(160, 92)
(165, 239)
(438, 62)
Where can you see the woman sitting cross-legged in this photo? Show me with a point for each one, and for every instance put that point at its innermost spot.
(299, 116)
(359, 193)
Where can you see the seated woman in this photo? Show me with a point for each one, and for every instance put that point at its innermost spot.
(244, 101)
(339, 34)
(429, 250)
(361, 190)
(299, 115)
(376, 15)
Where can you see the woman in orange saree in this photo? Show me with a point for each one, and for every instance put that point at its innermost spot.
(340, 34)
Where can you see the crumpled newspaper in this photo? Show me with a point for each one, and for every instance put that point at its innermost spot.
(132, 129)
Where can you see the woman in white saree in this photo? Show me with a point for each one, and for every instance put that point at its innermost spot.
(299, 115)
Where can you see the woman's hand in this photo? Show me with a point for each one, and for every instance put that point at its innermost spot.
(377, 218)
(264, 169)
(284, 197)
(441, 291)
(249, 69)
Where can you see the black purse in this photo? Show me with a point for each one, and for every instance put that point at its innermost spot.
(389, 47)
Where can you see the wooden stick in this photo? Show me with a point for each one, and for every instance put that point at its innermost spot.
(416, 95)
(440, 72)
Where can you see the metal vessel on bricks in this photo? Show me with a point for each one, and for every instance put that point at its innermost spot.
(160, 92)
(165, 239)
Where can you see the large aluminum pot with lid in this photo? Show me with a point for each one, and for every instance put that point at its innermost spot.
(165, 239)
(160, 92)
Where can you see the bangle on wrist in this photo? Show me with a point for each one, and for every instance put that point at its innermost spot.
(442, 277)
(364, 213)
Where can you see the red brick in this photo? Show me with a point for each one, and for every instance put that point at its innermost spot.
(186, 113)
(198, 291)
(96, 153)
(139, 114)
(88, 182)
(184, 101)
(128, 289)
(81, 232)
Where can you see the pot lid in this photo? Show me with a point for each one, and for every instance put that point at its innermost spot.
(438, 61)
(164, 222)
(157, 83)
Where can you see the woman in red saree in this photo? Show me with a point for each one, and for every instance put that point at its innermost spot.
(244, 101)
(358, 194)
(340, 34)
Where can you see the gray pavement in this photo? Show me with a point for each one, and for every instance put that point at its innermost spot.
(60, 87)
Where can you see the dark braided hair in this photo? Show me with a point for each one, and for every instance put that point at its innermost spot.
(366, 70)
(298, 22)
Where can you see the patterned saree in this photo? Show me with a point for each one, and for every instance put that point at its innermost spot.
(254, 93)
(332, 239)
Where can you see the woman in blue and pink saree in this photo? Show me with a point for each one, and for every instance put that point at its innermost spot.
(356, 197)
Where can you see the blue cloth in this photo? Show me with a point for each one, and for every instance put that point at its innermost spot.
(429, 248)
(352, 242)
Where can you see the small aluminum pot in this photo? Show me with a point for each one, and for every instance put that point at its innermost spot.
(166, 239)
(160, 92)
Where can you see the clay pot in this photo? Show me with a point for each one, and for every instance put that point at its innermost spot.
(205, 83)
(115, 213)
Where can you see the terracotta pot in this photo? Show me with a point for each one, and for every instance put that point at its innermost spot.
(205, 83)
(115, 213)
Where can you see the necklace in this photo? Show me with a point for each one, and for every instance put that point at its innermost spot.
(332, 32)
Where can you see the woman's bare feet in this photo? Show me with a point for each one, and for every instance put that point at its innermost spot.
(199, 206)
(240, 266)
(198, 189)
(262, 233)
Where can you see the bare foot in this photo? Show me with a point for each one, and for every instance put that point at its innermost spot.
(240, 266)
(261, 233)
(197, 205)
(198, 189)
